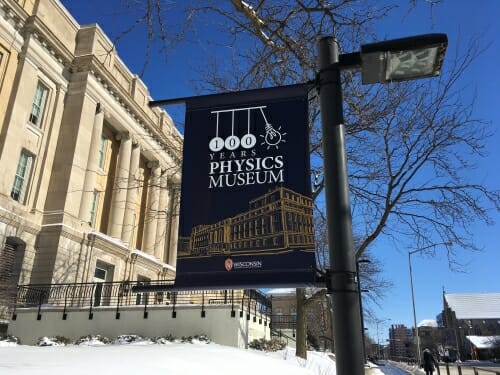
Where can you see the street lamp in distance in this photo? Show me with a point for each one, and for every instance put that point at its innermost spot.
(396, 60)
(363, 261)
(410, 253)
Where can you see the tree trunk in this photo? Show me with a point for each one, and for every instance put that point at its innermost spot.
(301, 337)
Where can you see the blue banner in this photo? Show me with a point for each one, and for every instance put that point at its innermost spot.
(246, 213)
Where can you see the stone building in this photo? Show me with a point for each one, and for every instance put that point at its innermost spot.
(472, 324)
(90, 172)
(318, 317)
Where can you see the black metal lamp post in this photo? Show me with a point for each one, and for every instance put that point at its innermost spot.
(396, 60)
(361, 305)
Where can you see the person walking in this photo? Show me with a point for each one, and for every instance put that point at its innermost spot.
(429, 362)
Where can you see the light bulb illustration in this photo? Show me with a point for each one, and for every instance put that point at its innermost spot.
(273, 137)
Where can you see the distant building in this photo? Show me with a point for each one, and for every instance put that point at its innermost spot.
(440, 320)
(284, 318)
(467, 328)
(472, 324)
(401, 342)
(430, 336)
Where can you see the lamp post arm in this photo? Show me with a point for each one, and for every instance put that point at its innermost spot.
(350, 61)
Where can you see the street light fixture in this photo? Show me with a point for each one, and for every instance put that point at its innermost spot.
(403, 59)
(410, 253)
(400, 64)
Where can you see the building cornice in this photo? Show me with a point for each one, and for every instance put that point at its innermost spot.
(48, 40)
(173, 147)
(151, 120)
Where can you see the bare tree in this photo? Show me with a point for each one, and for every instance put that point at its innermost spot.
(408, 143)
(416, 138)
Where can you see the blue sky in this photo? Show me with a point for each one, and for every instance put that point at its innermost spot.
(460, 20)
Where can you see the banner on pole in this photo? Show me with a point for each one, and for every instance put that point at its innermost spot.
(246, 215)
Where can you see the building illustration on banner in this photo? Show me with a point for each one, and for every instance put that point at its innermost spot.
(276, 222)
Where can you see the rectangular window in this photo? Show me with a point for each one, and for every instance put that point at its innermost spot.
(22, 175)
(93, 208)
(38, 103)
(100, 274)
(102, 151)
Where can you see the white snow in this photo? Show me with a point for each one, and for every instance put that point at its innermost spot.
(428, 323)
(280, 291)
(484, 342)
(144, 357)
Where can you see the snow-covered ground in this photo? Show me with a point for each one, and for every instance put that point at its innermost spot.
(143, 357)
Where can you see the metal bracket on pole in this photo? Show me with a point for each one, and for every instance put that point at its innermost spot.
(325, 278)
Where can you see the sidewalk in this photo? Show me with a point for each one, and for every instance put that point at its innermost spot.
(372, 369)
(411, 369)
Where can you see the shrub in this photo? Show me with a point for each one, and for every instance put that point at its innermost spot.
(128, 339)
(196, 339)
(11, 339)
(272, 345)
(93, 340)
(200, 339)
(53, 341)
(163, 339)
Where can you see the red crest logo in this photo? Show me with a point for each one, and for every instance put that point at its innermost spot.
(228, 264)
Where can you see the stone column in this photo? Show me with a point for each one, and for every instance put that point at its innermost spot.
(174, 223)
(133, 187)
(151, 222)
(92, 160)
(120, 186)
(161, 229)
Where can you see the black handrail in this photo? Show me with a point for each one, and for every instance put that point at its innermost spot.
(278, 333)
(120, 294)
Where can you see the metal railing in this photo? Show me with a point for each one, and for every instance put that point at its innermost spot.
(283, 327)
(120, 294)
(451, 369)
(281, 322)
(283, 336)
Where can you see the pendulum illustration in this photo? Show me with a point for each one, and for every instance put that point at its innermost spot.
(232, 142)
(273, 137)
(248, 140)
(217, 143)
